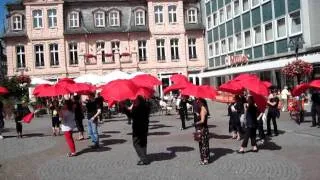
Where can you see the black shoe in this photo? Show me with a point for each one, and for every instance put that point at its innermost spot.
(313, 125)
(276, 134)
(96, 146)
(268, 134)
(240, 152)
(142, 163)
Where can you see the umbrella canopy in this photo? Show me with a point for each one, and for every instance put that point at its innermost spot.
(65, 81)
(179, 79)
(205, 91)
(119, 90)
(267, 84)
(3, 90)
(81, 88)
(40, 88)
(146, 80)
(145, 92)
(89, 78)
(245, 77)
(315, 83)
(115, 75)
(175, 87)
(252, 83)
(37, 81)
(51, 91)
(299, 89)
(132, 75)
(261, 101)
(232, 87)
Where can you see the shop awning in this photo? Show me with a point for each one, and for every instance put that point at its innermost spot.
(262, 66)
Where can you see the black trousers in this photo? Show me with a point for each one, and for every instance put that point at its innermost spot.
(274, 122)
(19, 127)
(260, 128)
(183, 118)
(315, 111)
(140, 145)
(250, 133)
(79, 124)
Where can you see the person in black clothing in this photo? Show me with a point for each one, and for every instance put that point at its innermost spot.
(93, 111)
(20, 112)
(273, 113)
(251, 123)
(99, 101)
(315, 108)
(234, 110)
(183, 111)
(54, 109)
(140, 111)
(195, 109)
(78, 110)
(1, 119)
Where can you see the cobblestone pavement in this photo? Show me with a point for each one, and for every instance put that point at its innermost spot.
(293, 155)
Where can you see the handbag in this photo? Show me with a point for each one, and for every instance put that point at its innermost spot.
(197, 135)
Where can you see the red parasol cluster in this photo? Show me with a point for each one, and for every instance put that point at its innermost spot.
(301, 88)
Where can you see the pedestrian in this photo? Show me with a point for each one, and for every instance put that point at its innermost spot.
(284, 98)
(234, 110)
(68, 124)
(273, 113)
(195, 110)
(182, 109)
(93, 112)
(99, 101)
(1, 119)
(54, 111)
(251, 111)
(78, 110)
(315, 108)
(203, 131)
(124, 105)
(140, 111)
(21, 110)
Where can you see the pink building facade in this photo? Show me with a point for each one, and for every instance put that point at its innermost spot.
(59, 38)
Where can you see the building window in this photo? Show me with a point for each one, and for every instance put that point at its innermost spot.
(210, 50)
(37, 18)
(158, 14)
(73, 54)
(221, 13)
(160, 50)
(114, 18)
(215, 19)
(101, 48)
(172, 14)
(230, 44)
(174, 44)
(255, 3)
(17, 22)
(115, 46)
(21, 58)
(192, 15)
(142, 48)
(217, 49)
(281, 28)
(39, 55)
(239, 41)
(99, 19)
(223, 47)
(54, 54)
(295, 23)
(236, 7)
(229, 12)
(140, 18)
(257, 35)
(247, 38)
(52, 18)
(268, 32)
(74, 19)
(245, 5)
(209, 22)
(192, 48)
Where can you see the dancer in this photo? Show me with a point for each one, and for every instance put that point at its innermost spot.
(20, 112)
(140, 111)
(93, 111)
(251, 111)
(273, 112)
(55, 118)
(182, 108)
(68, 124)
(234, 110)
(203, 130)
(78, 110)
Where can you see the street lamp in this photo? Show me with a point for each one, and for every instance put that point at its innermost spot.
(296, 43)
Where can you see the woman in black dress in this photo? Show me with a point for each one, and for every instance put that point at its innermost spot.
(203, 130)
(251, 111)
(234, 111)
(78, 110)
(140, 111)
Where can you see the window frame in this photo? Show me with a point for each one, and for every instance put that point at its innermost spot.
(52, 18)
(55, 53)
(158, 15)
(264, 32)
(221, 21)
(99, 19)
(40, 55)
(75, 54)
(39, 24)
(174, 45)
(162, 49)
(209, 25)
(212, 46)
(236, 41)
(228, 38)
(192, 44)
(285, 25)
(239, 8)
(75, 21)
(101, 47)
(225, 47)
(13, 22)
(193, 16)
(21, 55)
(254, 6)
(217, 50)
(172, 14)
(142, 45)
(231, 12)
(249, 6)
(142, 19)
(254, 35)
(244, 38)
(290, 23)
(117, 18)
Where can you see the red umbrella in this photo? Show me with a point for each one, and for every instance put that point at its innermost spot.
(260, 100)
(146, 80)
(179, 79)
(175, 87)
(245, 76)
(205, 91)
(231, 87)
(299, 89)
(145, 92)
(65, 81)
(39, 88)
(50, 91)
(252, 83)
(28, 118)
(119, 90)
(3, 90)
(81, 88)
(267, 83)
(315, 83)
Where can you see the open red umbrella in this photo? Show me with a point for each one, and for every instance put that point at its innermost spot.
(245, 76)
(315, 83)
(146, 80)
(65, 81)
(252, 83)
(232, 87)
(299, 89)
(145, 92)
(51, 91)
(267, 84)
(81, 88)
(261, 101)
(39, 88)
(175, 87)
(3, 90)
(28, 118)
(204, 91)
(179, 79)
(119, 90)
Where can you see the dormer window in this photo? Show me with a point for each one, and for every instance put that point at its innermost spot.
(140, 18)
(114, 18)
(99, 19)
(17, 22)
(192, 15)
(74, 19)
(37, 19)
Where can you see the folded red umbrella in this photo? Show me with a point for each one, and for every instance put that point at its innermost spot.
(145, 92)
(146, 80)
(299, 89)
(179, 79)
(28, 118)
(232, 87)
(3, 90)
(204, 91)
(51, 91)
(175, 87)
(81, 88)
(315, 83)
(119, 90)
(267, 83)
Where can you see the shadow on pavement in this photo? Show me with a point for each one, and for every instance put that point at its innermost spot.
(219, 152)
(212, 126)
(154, 121)
(111, 132)
(161, 156)
(218, 136)
(27, 135)
(116, 120)
(107, 142)
(104, 135)
(158, 133)
(89, 149)
(269, 145)
(158, 126)
(175, 149)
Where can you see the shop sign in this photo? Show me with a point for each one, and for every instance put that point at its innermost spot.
(236, 60)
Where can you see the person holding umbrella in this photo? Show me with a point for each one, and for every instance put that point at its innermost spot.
(21, 110)
(234, 111)
(273, 112)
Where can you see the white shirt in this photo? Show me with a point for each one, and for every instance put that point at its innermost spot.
(68, 121)
(284, 94)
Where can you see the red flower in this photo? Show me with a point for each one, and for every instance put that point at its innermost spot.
(125, 54)
(88, 56)
(108, 55)
(297, 68)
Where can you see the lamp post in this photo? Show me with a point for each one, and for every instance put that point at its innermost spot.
(296, 43)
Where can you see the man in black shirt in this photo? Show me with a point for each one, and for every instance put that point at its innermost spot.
(315, 108)
(273, 113)
(99, 101)
(93, 111)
